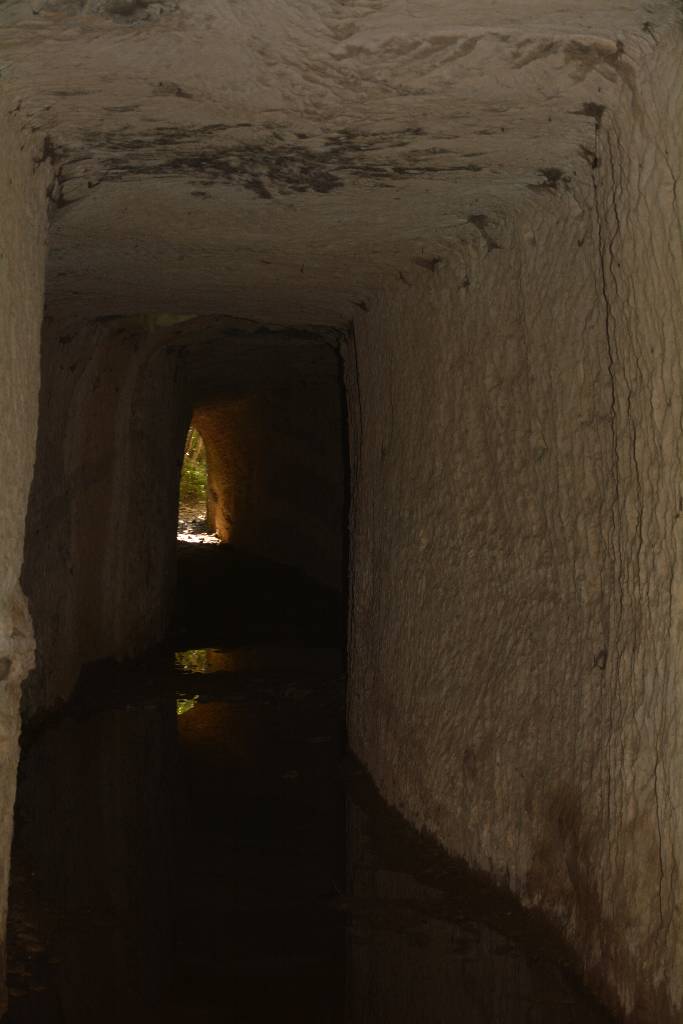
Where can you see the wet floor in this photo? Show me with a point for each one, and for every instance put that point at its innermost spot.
(194, 844)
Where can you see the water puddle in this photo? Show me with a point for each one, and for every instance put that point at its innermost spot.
(278, 659)
(210, 853)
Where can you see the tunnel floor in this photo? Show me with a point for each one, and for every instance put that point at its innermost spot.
(195, 844)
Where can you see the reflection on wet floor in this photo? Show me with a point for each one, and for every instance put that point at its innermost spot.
(194, 845)
(221, 866)
(185, 704)
(249, 659)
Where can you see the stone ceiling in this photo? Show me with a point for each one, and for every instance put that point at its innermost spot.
(280, 161)
(225, 358)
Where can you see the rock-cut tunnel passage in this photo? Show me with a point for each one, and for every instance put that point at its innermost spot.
(193, 841)
(192, 838)
(404, 740)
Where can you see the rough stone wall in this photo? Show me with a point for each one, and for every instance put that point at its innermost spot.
(516, 470)
(23, 215)
(101, 526)
(276, 475)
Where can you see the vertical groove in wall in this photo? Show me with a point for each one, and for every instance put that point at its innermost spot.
(24, 181)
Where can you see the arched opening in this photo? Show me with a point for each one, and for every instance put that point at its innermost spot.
(272, 469)
(194, 515)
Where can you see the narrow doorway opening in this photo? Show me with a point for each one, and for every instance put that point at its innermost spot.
(193, 521)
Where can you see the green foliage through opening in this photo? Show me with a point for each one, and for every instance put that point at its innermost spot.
(193, 476)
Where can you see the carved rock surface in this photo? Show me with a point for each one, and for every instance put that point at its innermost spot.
(516, 624)
(483, 197)
(277, 161)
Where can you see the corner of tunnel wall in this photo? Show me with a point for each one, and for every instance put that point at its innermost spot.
(142, 557)
(639, 207)
(515, 637)
(100, 544)
(24, 181)
(348, 351)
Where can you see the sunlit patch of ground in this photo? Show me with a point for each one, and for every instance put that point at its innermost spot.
(193, 530)
(187, 537)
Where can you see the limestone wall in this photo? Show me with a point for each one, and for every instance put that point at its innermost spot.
(23, 208)
(100, 541)
(515, 655)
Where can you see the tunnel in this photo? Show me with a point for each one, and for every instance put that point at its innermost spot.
(393, 734)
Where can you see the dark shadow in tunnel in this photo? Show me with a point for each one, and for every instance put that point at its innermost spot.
(205, 852)
(229, 598)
